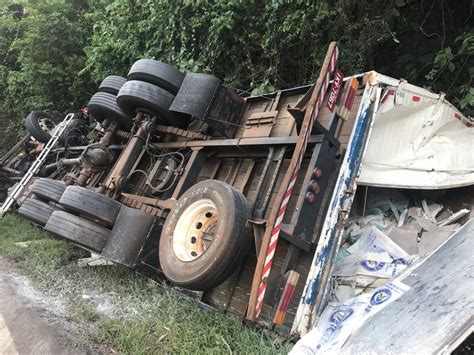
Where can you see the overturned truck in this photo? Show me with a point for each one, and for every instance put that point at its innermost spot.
(237, 200)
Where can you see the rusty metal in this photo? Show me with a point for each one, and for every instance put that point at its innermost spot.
(109, 132)
(135, 203)
(195, 230)
(256, 171)
(122, 134)
(178, 132)
(237, 142)
(262, 253)
(241, 184)
(130, 199)
(226, 111)
(193, 167)
(268, 179)
(97, 157)
(14, 151)
(84, 175)
(117, 177)
(233, 171)
(260, 124)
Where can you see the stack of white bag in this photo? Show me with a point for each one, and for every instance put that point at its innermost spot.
(340, 320)
(372, 257)
(373, 260)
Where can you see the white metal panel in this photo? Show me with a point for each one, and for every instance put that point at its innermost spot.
(341, 201)
(418, 141)
(437, 310)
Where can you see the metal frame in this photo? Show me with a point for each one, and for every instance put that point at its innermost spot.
(259, 284)
(339, 207)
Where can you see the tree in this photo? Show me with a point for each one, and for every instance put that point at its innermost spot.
(41, 53)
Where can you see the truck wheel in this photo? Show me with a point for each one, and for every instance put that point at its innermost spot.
(36, 211)
(78, 230)
(137, 96)
(39, 124)
(205, 236)
(48, 189)
(112, 84)
(103, 106)
(90, 204)
(157, 73)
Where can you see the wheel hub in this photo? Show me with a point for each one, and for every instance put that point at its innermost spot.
(46, 124)
(195, 230)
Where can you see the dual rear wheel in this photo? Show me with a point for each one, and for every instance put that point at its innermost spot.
(150, 87)
(203, 241)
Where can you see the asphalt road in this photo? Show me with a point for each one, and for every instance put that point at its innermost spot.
(25, 326)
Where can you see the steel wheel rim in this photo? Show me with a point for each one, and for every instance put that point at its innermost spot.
(195, 230)
(46, 124)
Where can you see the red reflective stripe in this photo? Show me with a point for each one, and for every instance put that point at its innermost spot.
(286, 297)
(265, 270)
(276, 228)
(415, 98)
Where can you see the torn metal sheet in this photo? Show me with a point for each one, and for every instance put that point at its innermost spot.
(434, 313)
(418, 141)
(454, 217)
(406, 237)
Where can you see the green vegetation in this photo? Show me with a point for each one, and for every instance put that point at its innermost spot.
(121, 310)
(53, 53)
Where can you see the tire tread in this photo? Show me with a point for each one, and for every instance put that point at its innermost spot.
(78, 230)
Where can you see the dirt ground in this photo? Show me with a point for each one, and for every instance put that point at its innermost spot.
(30, 322)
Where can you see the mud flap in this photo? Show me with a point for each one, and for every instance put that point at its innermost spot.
(128, 236)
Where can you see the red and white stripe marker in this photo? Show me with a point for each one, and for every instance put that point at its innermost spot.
(287, 295)
(284, 204)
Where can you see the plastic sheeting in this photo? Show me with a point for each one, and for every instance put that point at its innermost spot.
(418, 141)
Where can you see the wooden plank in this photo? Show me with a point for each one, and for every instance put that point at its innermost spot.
(434, 312)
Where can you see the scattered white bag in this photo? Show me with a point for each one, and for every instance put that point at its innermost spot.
(374, 254)
(339, 320)
(335, 325)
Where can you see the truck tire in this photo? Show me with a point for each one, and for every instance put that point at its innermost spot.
(103, 106)
(137, 96)
(48, 189)
(205, 236)
(90, 205)
(78, 230)
(156, 73)
(36, 211)
(39, 124)
(112, 84)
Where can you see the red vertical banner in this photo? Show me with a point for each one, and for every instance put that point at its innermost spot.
(335, 91)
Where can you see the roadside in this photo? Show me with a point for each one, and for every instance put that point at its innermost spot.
(29, 321)
(111, 309)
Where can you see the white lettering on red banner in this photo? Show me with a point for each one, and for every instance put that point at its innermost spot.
(335, 89)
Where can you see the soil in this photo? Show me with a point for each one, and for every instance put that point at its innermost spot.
(32, 322)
